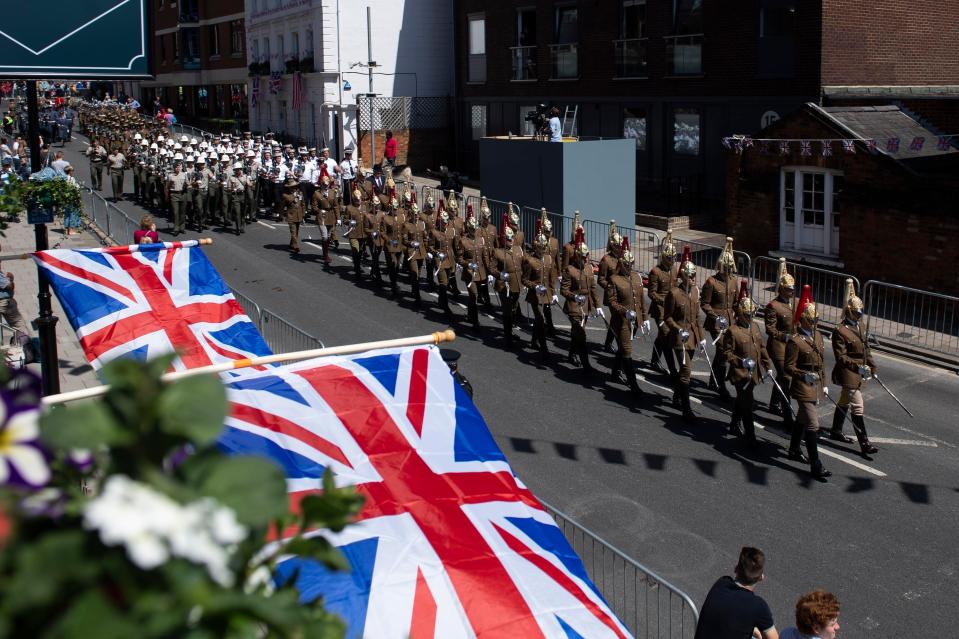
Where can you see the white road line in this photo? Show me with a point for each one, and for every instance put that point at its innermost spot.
(904, 442)
(269, 226)
(313, 245)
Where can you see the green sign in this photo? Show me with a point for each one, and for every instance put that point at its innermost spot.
(75, 39)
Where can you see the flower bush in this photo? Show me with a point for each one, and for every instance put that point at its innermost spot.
(120, 517)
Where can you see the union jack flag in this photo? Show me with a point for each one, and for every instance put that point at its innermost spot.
(849, 146)
(276, 82)
(917, 143)
(826, 147)
(871, 144)
(892, 145)
(944, 143)
(145, 300)
(297, 91)
(450, 543)
(784, 147)
(805, 147)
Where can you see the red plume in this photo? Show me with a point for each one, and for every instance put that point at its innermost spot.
(625, 244)
(469, 211)
(580, 237)
(441, 206)
(743, 290)
(502, 231)
(804, 299)
(442, 203)
(687, 255)
(539, 228)
(414, 197)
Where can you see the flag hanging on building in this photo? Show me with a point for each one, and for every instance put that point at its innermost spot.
(297, 90)
(145, 300)
(276, 82)
(944, 143)
(450, 543)
(917, 143)
(255, 93)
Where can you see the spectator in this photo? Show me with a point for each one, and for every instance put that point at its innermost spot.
(732, 610)
(555, 127)
(19, 153)
(389, 153)
(817, 616)
(169, 117)
(157, 107)
(5, 150)
(147, 233)
(59, 164)
(71, 218)
(7, 174)
(11, 313)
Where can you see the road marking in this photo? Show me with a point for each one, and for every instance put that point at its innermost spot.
(269, 226)
(904, 442)
(851, 462)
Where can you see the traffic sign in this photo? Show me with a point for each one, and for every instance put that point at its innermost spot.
(66, 38)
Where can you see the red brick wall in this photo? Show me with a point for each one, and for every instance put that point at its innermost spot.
(895, 226)
(418, 148)
(889, 42)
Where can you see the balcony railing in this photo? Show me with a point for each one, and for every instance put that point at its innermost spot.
(477, 68)
(564, 59)
(684, 54)
(189, 17)
(630, 57)
(524, 63)
(191, 63)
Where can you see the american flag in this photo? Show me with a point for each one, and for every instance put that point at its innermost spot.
(450, 543)
(255, 93)
(297, 90)
(144, 300)
(276, 82)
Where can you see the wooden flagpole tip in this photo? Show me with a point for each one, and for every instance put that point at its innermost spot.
(205, 240)
(445, 336)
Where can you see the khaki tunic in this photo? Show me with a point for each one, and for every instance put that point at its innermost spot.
(626, 294)
(508, 261)
(608, 266)
(537, 271)
(292, 207)
(442, 242)
(472, 250)
(741, 343)
(579, 282)
(324, 207)
(681, 312)
(804, 354)
(851, 351)
(779, 329)
(718, 299)
(357, 223)
(661, 282)
(394, 229)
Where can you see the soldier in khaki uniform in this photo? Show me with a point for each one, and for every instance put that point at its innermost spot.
(98, 159)
(117, 163)
(394, 233)
(854, 364)
(323, 206)
(472, 255)
(202, 193)
(662, 279)
(569, 247)
(805, 365)
(609, 266)
(748, 362)
(235, 189)
(291, 204)
(537, 279)
(779, 330)
(442, 257)
(718, 301)
(624, 292)
(578, 288)
(176, 188)
(356, 223)
(511, 220)
(374, 238)
(506, 273)
(486, 231)
(681, 315)
(416, 238)
(553, 250)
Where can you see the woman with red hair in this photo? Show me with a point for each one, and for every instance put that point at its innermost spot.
(817, 617)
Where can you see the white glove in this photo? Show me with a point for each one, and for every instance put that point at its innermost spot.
(429, 255)
(865, 371)
(601, 313)
(555, 300)
(646, 326)
(825, 390)
(504, 276)
(490, 280)
(702, 346)
(811, 378)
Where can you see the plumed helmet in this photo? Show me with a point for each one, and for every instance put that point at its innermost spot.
(451, 202)
(627, 258)
(443, 216)
(747, 307)
(484, 208)
(545, 224)
(408, 194)
(727, 261)
(513, 215)
(541, 241)
(394, 203)
(357, 194)
(508, 234)
(576, 225)
(414, 208)
(787, 281)
(805, 303)
(686, 266)
(668, 249)
(853, 306)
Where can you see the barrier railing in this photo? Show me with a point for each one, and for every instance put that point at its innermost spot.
(251, 308)
(705, 257)
(911, 317)
(828, 287)
(284, 337)
(647, 604)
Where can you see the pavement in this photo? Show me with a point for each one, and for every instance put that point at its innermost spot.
(75, 371)
(680, 499)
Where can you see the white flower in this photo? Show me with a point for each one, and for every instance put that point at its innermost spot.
(261, 578)
(20, 458)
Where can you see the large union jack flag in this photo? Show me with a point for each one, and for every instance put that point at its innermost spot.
(450, 543)
(145, 300)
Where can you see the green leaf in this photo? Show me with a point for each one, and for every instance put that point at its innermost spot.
(91, 610)
(254, 487)
(87, 425)
(194, 408)
(60, 557)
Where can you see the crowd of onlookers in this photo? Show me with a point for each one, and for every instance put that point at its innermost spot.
(733, 610)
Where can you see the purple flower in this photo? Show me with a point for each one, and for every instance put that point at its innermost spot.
(22, 459)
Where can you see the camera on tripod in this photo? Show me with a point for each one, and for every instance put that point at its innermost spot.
(540, 121)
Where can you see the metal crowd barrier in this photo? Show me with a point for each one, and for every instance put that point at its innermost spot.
(705, 257)
(251, 308)
(284, 337)
(912, 318)
(647, 604)
(828, 287)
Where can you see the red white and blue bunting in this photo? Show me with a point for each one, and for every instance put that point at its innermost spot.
(825, 148)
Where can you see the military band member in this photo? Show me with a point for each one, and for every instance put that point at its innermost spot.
(472, 255)
(136, 159)
(582, 300)
(117, 163)
(624, 293)
(681, 315)
(662, 279)
(442, 257)
(293, 211)
(98, 159)
(854, 364)
(176, 188)
(323, 207)
(538, 268)
(201, 193)
(718, 300)
(506, 276)
(394, 232)
(805, 365)
(748, 362)
(236, 189)
(608, 266)
(779, 330)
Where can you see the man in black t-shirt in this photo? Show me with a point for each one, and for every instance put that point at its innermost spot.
(732, 610)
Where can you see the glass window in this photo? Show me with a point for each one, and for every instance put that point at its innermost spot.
(237, 36)
(813, 198)
(477, 35)
(567, 25)
(526, 27)
(295, 44)
(202, 95)
(633, 24)
(266, 50)
(280, 49)
(777, 21)
(478, 121)
(837, 184)
(214, 35)
(687, 16)
(634, 126)
(789, 196)
(686, 131)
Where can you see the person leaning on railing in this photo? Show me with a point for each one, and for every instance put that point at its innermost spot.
(732, 609)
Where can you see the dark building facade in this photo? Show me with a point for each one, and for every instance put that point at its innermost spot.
(200, 61)
(678, 75)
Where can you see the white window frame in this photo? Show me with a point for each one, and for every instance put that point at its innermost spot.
(830, 238)
(470, 21)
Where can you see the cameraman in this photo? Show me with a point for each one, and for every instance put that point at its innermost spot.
(555, 127)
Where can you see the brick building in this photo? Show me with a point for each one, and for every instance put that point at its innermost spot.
(678, 76)
(199, 61)
(882, 214)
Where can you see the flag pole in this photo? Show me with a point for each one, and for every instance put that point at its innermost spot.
(204, 241)
(346, 349)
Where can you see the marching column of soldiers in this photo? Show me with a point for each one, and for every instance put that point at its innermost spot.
(225, 179)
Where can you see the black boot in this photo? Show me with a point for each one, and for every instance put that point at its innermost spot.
(735, 422)
(615, 375)
(445, 305)
(688, 415)
(795, 443)
(415, 289)
(588, 369)
(835, 433)
(630, 368)
(357, 265)
(815, 465)
(719, 372)
(608, 344)
(550, 329)
(859, 425)
(749, 428)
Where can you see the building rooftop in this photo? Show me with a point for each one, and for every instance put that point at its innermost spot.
(883, 122)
